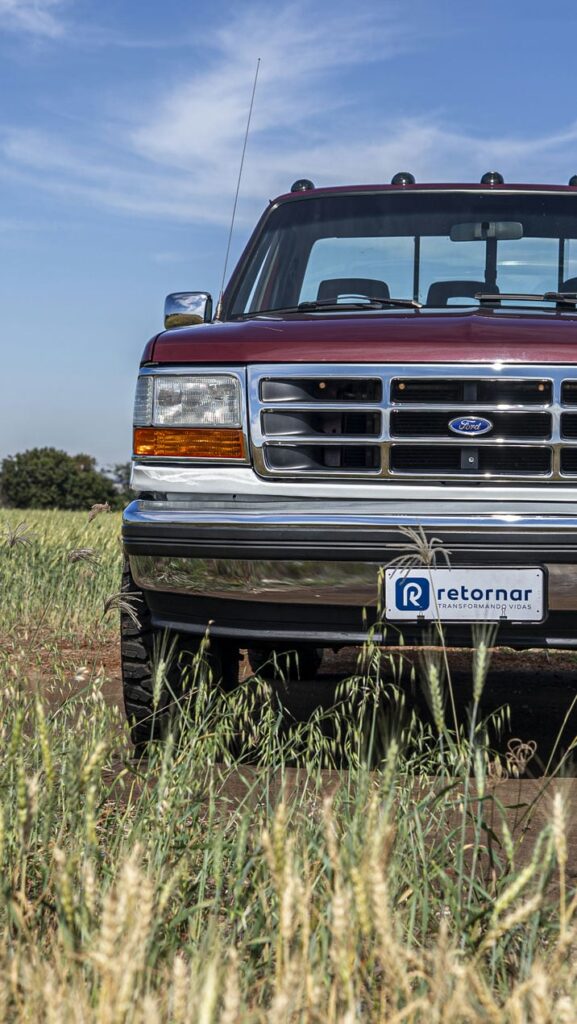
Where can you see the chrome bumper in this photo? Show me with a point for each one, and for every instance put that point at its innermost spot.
(331, 553)
(331, 583)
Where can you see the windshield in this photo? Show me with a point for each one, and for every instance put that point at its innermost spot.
(436, 248)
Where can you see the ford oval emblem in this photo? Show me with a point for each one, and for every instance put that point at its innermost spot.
(470, 426)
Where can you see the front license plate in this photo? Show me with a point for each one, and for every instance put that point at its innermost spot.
(465, 595)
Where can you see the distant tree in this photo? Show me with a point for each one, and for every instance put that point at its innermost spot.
(48, 478)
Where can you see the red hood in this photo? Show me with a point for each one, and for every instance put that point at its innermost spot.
(401, 337)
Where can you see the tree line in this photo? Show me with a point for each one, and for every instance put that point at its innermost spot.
(49, 478)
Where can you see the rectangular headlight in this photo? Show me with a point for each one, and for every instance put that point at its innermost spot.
(143, 401)
(197, 401)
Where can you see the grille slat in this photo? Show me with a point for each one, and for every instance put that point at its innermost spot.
(569, 461)
(511, 460)
(430, 423)
(569, 424)
(471, 391)
(389, 423)
(342, 423)
(569, 392)
(323, 389)
(322, 458)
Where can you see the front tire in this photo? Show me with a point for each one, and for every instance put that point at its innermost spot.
(151, 714)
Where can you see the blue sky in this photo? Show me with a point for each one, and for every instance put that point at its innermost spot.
(121, 127)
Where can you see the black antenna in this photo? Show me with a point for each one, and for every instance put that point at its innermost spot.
(237, 188)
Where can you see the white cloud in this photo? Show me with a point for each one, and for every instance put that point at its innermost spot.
(178, 157)
(36, 17)
(168, 257)
(203, 119)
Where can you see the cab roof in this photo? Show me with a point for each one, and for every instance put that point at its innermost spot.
(444, 186)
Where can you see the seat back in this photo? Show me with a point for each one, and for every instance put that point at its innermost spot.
(441, 291)
(335, 287)
(570, 285)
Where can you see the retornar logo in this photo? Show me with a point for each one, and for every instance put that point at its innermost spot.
(412, 593)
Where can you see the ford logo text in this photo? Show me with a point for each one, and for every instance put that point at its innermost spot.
(470, 426)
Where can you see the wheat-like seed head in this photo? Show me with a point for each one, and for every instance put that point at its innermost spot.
(389, 771)
(231, 999)
(123, 602)
(94, 762)
(480, 772)
(97, 510)
(504, 901)
(519, 754)
(89, 889)
(150, 1011)
(180, 989)
(361, 899)
(330, 831)
(287, 897)
(4, 997)
(435, 687)
(421, 551)
(379, 896)
(19, 535)
(565, 1010)
(539, 991)
(110, 927)
(64, 886)
(507, 840)
(560, 829)
(279, 840)
(480, 665)
(209, 993)
(87, 555)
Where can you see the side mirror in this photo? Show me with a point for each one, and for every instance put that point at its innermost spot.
(181, 309)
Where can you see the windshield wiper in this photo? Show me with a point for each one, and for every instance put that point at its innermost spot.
(360, 302)
(332, 306)
(570, 298)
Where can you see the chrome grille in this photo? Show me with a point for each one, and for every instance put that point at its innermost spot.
(392, 422)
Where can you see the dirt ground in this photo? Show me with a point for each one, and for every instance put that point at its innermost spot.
(540, 688)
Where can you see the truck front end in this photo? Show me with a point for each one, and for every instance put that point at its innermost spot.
(377, 433)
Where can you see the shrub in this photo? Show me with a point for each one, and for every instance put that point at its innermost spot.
(49, 478)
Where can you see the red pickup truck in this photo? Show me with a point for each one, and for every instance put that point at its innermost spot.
(384, 357)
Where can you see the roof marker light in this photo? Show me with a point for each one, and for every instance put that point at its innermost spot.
(492, 178)
(302, 185)
(403, 178)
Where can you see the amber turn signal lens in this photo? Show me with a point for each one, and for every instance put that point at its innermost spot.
(200, 443)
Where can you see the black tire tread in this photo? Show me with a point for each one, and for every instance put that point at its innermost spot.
(137, 649)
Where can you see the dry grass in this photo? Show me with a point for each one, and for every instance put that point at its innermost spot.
(134, 892)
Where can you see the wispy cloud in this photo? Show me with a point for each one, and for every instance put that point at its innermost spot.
(168, 257)
(202, 119)
(34, 17)
(178, 157)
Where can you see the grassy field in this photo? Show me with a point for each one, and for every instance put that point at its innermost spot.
(144, 892)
